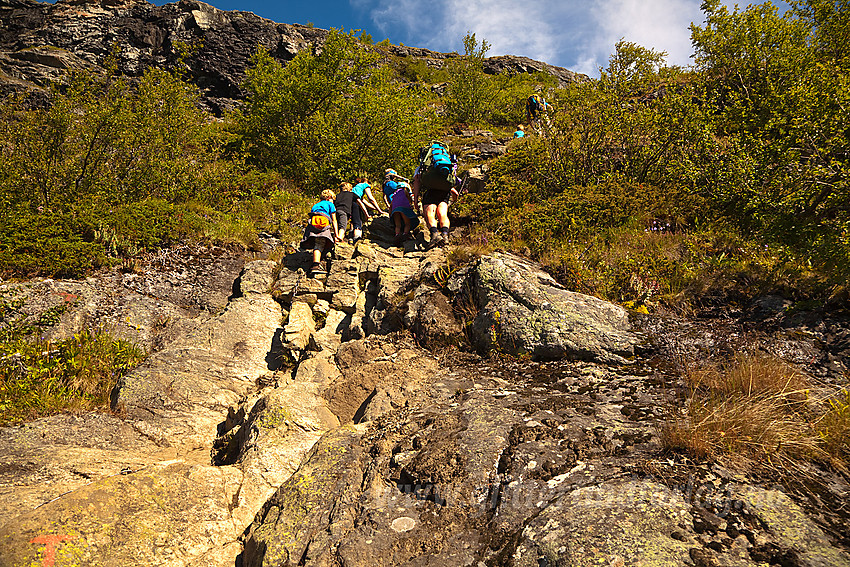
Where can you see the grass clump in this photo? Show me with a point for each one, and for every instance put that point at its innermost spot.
(39, 378)
(753, 409)
(834, 427)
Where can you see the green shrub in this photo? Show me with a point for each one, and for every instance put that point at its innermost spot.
(48, 244)
(40, 378)
(325, 117)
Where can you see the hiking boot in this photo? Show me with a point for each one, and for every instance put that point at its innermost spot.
(435, 240)
(445, 239)
(317, 268)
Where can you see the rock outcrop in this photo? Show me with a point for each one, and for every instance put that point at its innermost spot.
(40, 42)
(522, 309)
(304, 424)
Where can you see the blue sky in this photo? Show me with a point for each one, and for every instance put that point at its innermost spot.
(575, 34)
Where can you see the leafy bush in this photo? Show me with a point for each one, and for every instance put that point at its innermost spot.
(779, 89)
(327, 116)
(48, 243)
(475, 97)
(106, 170)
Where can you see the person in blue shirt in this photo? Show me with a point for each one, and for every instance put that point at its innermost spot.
(389, 187)
(520, 131)
(321, 232)
(367, 201)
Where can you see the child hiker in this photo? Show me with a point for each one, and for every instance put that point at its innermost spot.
(348, 206)
(322, 231)
(364, 192)
(402, 213)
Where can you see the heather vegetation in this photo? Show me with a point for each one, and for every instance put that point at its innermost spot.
(650, 186)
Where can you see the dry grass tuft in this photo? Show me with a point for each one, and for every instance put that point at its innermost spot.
(755, 408)
(834, 428)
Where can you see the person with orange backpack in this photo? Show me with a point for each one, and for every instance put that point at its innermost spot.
(321, 232)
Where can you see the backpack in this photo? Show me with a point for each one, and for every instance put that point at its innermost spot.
(437, 167)
(534, 103)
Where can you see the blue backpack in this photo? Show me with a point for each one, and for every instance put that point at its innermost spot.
(437, 167)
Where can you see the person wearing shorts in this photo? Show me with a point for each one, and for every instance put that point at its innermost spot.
(436, 208)
(321, 232)
(348, 207)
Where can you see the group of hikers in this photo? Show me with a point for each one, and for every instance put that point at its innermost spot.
(435, 184)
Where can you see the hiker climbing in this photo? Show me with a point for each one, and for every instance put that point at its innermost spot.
(363, 190)
(321, 232)
(435, 183)
(348, 207)
(403, 216)
(520, 131)
(389, 187)
(534, 106)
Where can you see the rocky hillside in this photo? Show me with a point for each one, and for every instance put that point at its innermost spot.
(40, 42)
(286, 420)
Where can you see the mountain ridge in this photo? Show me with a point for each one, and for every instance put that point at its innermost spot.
(41, 42)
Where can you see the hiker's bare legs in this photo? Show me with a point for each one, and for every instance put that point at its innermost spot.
(431, 215)
(443, 214)
(318, 248)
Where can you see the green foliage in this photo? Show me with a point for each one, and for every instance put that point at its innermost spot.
(418, 71)
(474, 97)
(39, 378)
(781, 92)
(107, 170)
(48, 243)
(105, 140)
(471, 95)
(328, 115)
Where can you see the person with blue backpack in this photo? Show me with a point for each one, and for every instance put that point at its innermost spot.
(534, 105)
(435, 183)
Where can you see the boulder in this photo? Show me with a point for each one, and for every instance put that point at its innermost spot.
(474, 180)
(258, 277)
(522, 309)
(165, 296)
(329, 337)
(300, 326)
(367, 365)
(628, 523)
(431, 318)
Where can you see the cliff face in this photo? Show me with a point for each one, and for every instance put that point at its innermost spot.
(39, 42)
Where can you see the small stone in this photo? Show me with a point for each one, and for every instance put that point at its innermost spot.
(403, 524)
(702, 557)
(321, 307)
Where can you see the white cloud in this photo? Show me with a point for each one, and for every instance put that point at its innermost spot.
(658, 24)
(576, 34)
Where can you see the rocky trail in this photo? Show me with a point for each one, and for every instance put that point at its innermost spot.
(284, 420)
